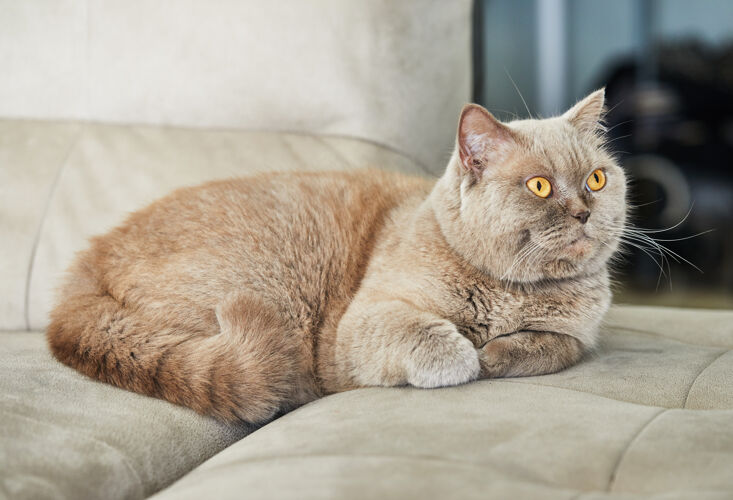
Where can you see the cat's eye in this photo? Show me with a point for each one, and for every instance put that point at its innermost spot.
(540, 186)
(596, 180)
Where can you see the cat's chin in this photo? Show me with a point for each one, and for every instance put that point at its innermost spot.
(579, 248)
(574, 259)
(562, 269)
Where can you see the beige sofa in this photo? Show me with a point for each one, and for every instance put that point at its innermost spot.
(233, 88)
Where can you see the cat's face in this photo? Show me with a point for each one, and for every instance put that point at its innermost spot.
(534, 199)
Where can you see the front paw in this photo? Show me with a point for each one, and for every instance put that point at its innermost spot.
(442, 357)
(495, 357)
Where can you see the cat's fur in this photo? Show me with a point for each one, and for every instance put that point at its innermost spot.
(245, 298)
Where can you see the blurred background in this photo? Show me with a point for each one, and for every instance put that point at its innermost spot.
(668, 70)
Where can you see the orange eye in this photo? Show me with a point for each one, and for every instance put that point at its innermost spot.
(540, 186)
(596, 180)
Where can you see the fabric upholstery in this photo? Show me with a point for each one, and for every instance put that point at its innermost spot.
(63, 435)
(392, 72)
(30, 157)
(646, 416)
(61, 183)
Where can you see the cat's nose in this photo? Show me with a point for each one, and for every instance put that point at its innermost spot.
(582, 216)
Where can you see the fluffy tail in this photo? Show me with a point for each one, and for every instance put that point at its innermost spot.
(245, 373)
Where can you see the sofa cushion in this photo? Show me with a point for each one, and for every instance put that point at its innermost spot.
(63, 435)
(646, 416)
(64, 182)
(30, 157)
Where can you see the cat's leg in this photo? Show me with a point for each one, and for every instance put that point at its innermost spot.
(527, 353)
(394, 343)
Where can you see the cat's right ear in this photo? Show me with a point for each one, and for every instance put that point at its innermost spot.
(482, 140)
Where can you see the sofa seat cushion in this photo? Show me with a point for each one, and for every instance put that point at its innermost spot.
(649, 415)
(63, 435)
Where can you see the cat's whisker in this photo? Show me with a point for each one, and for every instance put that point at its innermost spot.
(518, 92)
(523, 254)
(661, 248)
(654, 231)
(644, 204)
(618, 124)
(534, 259)
(616, 139)
(646, 251)
(685, 237)
(606, 113)
(659, 264)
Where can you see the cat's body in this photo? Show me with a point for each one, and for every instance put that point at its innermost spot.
(245, 298)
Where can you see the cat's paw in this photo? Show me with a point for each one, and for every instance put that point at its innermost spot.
(495, 357)
(442, 357)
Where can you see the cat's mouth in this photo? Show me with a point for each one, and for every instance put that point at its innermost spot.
(580, 246)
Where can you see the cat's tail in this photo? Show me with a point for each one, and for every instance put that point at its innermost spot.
(245, 373)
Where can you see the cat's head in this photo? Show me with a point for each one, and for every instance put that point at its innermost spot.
(533, 199)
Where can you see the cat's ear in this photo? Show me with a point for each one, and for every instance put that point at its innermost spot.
(587, 115)
(482, 139)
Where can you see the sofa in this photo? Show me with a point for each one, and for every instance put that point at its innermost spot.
(105, 106)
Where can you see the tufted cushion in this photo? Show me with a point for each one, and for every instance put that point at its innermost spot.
(647, 416)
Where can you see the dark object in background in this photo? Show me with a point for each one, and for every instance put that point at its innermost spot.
(674, 135)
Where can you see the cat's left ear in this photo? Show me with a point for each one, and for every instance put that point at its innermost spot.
(587, 115)
(482, 139)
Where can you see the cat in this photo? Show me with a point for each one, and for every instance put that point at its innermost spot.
(243, 299)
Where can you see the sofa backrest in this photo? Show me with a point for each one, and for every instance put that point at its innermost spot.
(63, 182)
(394, 72)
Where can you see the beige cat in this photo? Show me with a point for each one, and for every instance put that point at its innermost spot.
(248, 297)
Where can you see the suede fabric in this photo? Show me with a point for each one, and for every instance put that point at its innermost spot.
(30, 157)
(648, 415)
(63, 435)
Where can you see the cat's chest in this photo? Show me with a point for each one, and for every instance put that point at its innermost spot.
(482, 312)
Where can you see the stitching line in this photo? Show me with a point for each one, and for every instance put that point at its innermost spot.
(503, 470)
(44, 215)
(626, 330)
(587, 393)
(701, 372)
(335, 152)
(612, 477)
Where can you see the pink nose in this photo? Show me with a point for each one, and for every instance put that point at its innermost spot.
(582, 216)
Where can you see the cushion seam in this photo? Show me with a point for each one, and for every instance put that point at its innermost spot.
(625, 330)
(330, 147)
(612, 477)
(506, 381)
(357, 456)
(39, 228)
(712, 362)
